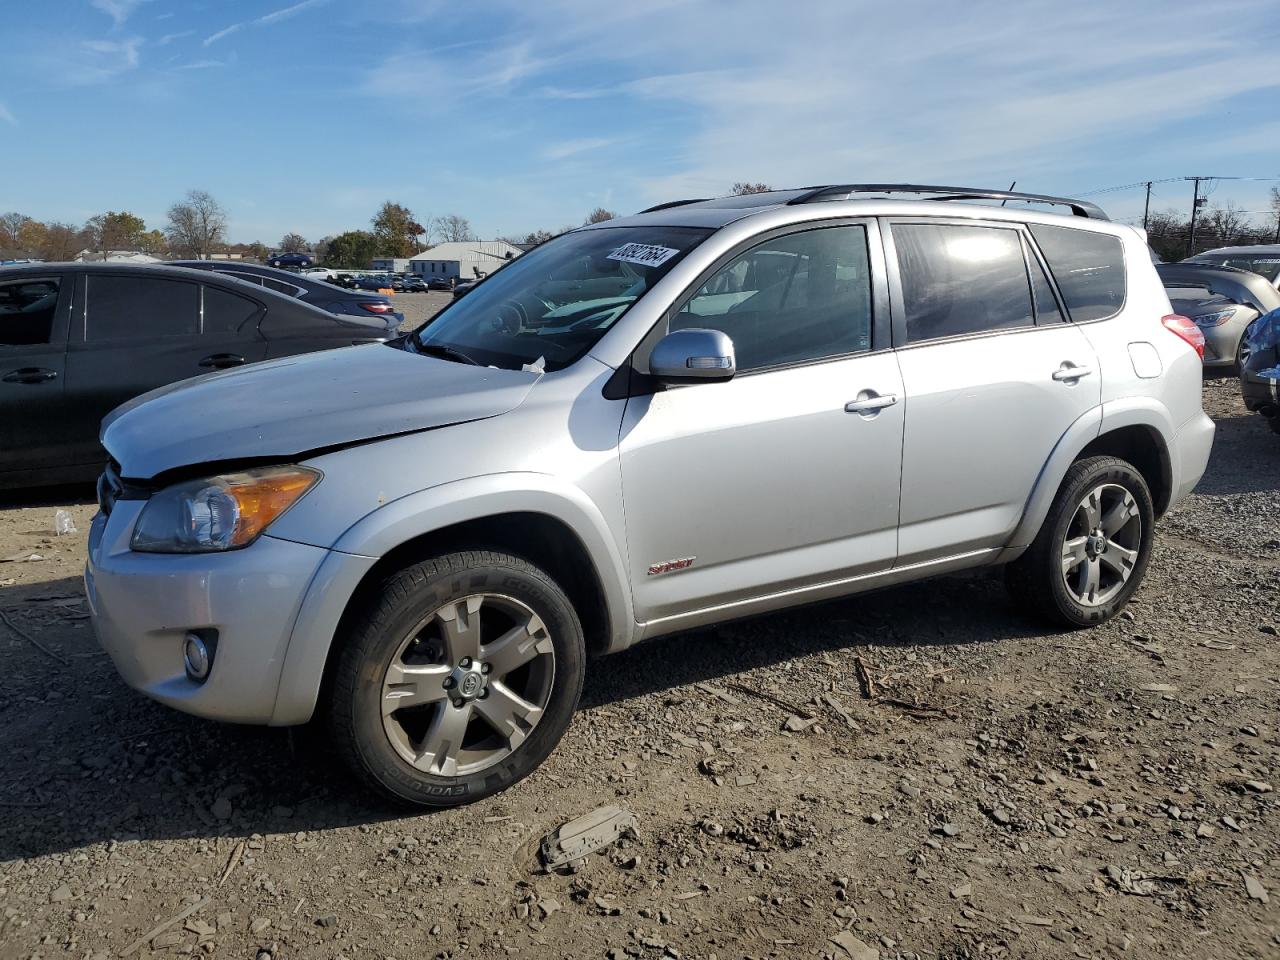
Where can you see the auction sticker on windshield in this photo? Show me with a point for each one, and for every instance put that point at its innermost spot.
(645, 254)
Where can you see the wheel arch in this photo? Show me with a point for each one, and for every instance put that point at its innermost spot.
(559, 531)
(1135, 430)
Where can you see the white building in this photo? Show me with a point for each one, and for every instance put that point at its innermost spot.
(390, 264)
(465, 260)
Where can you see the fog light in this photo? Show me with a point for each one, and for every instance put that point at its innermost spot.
(195, 657)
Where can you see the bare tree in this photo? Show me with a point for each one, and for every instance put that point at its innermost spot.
(742, 188)
(453, 228)
(197, 225)
(598, 215)
(1226, 222)
(11, 225)
(293, 243)
(1275, 210)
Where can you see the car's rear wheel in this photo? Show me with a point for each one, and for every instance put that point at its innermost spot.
(458, 679)
(1092, 551)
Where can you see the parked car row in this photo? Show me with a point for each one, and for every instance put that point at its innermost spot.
(77, 340)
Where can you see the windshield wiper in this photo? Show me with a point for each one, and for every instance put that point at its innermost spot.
(446, 353)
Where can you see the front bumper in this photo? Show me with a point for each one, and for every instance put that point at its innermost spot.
(1222, 343)
(143, 605)
(1260, 393)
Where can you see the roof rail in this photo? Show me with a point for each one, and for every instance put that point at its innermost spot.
(674, 203)
(845, 191)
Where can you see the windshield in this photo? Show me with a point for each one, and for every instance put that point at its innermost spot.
(550, 306)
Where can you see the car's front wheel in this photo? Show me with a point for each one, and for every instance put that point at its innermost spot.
(458, 679)
(1091, 553)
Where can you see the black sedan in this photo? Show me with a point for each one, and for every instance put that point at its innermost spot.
(439, 283)
(318, 293)
(291, 260)
(79, 339)
(414, 284)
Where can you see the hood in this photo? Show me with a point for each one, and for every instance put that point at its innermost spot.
(284, 408)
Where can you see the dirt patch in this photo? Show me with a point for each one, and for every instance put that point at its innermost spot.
(1093, 794)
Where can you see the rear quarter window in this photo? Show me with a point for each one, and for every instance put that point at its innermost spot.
(1089, 268)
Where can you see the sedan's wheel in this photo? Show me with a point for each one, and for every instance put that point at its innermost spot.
(459, 680)
(1091, 553)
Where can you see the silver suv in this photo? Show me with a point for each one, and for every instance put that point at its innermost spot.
(706, 411)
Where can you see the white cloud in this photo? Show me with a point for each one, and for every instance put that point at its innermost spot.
(118, 10)
(102, 60)
(201, 64)
(6, 116)
(570, 148)
(265, 20)
(287, 12)
(224, 32)
(168, 38)
(1038, 91)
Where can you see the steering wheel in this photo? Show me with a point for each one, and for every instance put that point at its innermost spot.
(510, 317)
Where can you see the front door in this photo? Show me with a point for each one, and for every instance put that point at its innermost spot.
(787, 475)
(994, 377)
(34, 426)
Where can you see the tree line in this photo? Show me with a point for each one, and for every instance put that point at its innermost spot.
(196, 228)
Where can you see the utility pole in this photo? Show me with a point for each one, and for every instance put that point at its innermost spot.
(1146, 210)
(1195, 209)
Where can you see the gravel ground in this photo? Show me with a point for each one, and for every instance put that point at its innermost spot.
(1106, 793)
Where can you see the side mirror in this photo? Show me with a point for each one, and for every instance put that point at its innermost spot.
(693, 356)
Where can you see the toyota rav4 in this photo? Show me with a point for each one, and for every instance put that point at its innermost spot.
(708, 410)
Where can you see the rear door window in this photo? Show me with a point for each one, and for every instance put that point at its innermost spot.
(959, 279)
(1268, 267)
(1089, 268)
(132, 308)
(226, 312)
(27, 309)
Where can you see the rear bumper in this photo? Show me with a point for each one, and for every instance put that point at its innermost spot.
(1191, 447)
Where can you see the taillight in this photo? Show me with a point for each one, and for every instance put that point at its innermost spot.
(1188, 331)
(374, 306)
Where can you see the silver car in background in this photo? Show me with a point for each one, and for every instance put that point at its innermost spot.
(1223, 302)
(708, 410)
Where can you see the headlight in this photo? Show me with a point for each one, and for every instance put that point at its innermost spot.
(219, 513)
(1214, 319)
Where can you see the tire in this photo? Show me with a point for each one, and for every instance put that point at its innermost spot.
(407, 631)
(1040, 581)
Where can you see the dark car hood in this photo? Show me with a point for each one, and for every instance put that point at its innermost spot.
(284, 408)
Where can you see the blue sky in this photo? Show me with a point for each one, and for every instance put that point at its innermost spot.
(305, 116)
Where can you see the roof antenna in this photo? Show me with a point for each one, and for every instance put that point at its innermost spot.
(1006, 199)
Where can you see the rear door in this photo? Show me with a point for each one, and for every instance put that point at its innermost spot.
(34, 428)
(138, 332)
(993, 376)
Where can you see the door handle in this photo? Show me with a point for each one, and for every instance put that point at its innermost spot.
(1069, 371)
(30, 375)
(219, 361)
(870, 402)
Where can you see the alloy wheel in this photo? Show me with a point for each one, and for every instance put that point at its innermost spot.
(468, 685)
(1101, 547)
